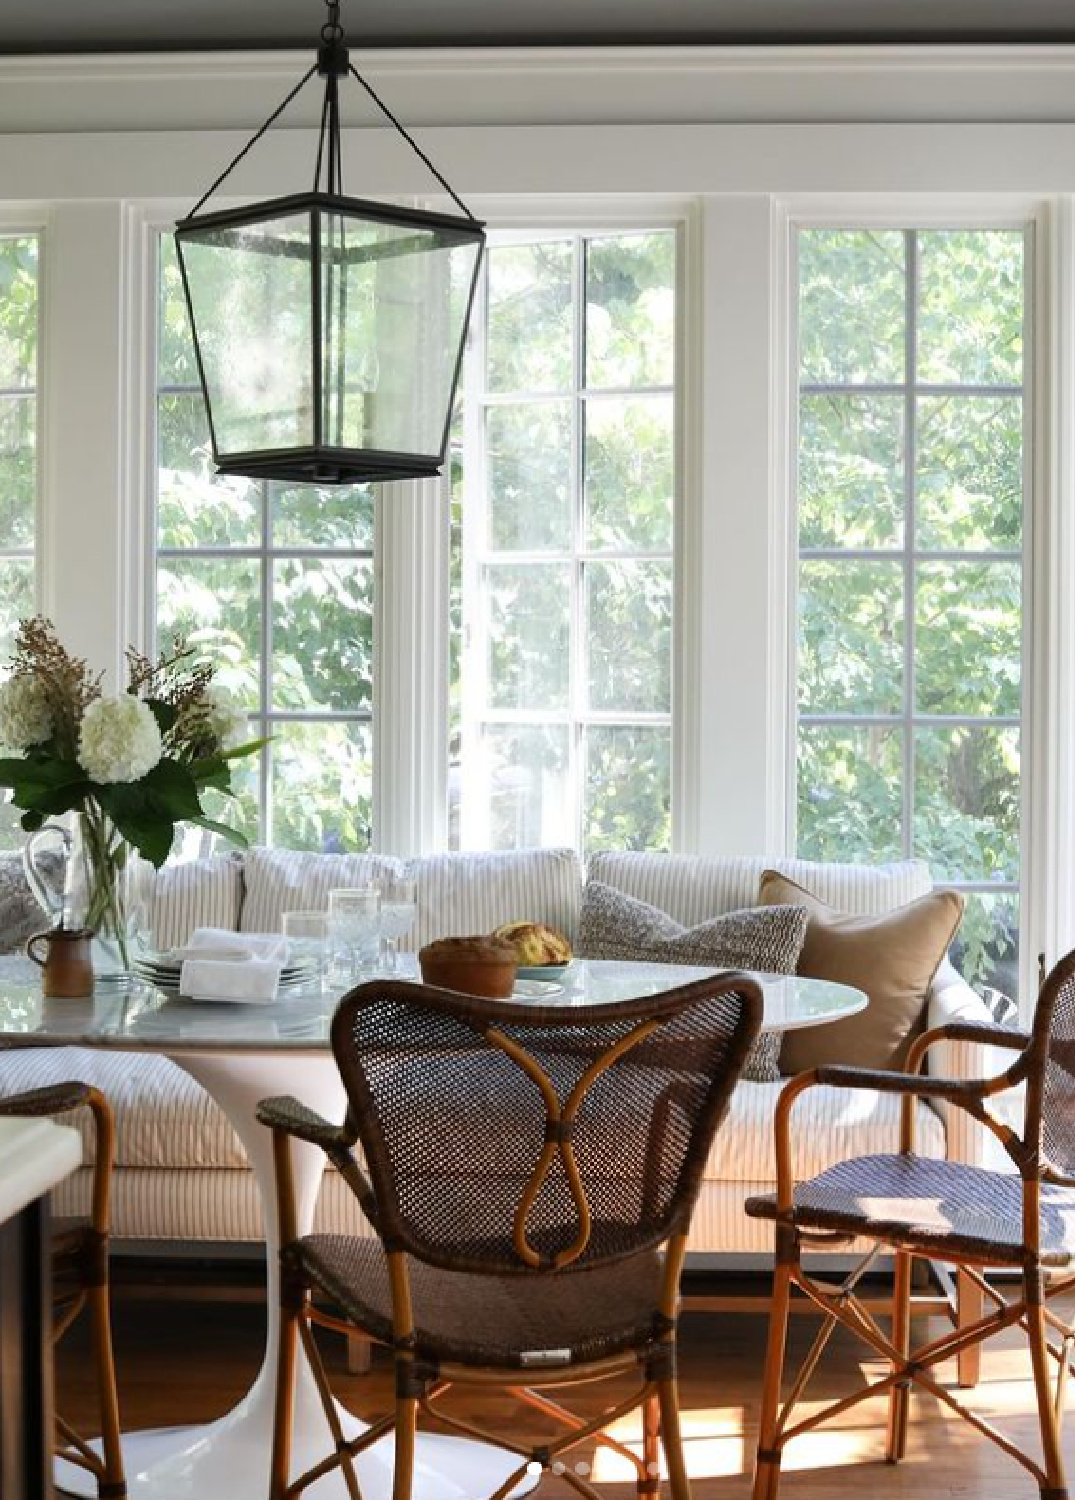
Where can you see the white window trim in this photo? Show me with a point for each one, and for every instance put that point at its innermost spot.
(1041, 850)
(15, 221)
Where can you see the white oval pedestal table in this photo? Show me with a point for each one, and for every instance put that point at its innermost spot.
(241, 1054)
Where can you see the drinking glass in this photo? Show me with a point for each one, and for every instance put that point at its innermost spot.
(307, 935)
(399, 907)
(354, 927)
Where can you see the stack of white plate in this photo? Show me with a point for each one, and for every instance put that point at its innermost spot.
(164, 973)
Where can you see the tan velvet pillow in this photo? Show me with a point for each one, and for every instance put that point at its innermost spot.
(892, 957)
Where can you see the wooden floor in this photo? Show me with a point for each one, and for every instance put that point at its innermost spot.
(182, 1363)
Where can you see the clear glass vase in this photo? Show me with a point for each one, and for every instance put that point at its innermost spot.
(99, 888)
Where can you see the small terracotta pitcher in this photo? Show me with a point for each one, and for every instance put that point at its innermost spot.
(67, 969)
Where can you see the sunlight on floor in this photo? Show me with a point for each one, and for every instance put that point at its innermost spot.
(712, 1440)
(717, 1447)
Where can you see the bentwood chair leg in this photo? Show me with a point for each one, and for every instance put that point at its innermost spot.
(113, 1485)
(406, 1426)
(970, 1305)
(1055, 1487)
(284, 1414)
(650, 1482)
(672, 1439)
(899, 1397)
(767, 1466)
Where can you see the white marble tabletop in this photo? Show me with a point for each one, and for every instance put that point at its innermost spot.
(144, 1018)
(35, 1155)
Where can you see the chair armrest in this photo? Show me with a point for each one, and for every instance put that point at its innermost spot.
(924, 1085)
(54, 1099)
(965, 1052)
(989, 1035)
(287, 1115)
(60, 1099)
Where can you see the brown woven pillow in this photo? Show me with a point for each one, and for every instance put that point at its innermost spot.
(892, 957)
(615, 925)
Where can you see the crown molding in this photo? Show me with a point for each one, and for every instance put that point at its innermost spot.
(552, 85)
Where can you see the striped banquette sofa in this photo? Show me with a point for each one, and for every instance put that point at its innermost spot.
(181, 1176)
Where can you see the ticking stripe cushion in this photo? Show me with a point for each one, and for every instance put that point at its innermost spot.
(460, 894)
(279, 880)
(165, 1121)
(692, 888)
(617, 926)
(164, 1118)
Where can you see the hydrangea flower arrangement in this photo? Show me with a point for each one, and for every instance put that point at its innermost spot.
(129, 766)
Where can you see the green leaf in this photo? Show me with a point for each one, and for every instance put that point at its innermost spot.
(165, 714)
(172, 789)
(32, 821)
(32, 795)
(232, 835)
(202, 770)
(250, 748)
(151, 836)
(36, 769)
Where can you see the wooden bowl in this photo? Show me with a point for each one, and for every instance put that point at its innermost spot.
(470, 965)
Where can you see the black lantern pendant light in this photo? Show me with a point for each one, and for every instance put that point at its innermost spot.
(329, 330)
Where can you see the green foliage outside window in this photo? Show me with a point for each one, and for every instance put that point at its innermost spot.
(561, 708)
(910, 529)
(291, 634)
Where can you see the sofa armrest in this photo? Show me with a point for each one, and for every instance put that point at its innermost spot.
(952, 999)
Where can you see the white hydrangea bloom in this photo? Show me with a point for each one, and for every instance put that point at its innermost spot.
(25, 715)
(226, 720)
(119, 741)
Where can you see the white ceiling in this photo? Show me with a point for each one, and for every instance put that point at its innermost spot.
(119, 25)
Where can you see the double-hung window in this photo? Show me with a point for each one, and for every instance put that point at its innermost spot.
(911, 500)
(19, 383)
(274, 584)
(563, 485)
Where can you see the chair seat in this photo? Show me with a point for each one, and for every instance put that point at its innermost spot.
(941, 1207)
(493, 1320)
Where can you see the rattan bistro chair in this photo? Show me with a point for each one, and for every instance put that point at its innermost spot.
(941, 1211)
(532, 1173)
(80, 1279)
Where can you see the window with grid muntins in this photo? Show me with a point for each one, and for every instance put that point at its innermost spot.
(563, 490)
(910, 512)
(19, 384)
(274, 584)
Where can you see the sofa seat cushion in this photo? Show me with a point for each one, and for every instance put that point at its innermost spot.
(828, 1125)
(693, 888)
(165, 1119)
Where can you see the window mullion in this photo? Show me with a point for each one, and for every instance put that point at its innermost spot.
(909, 579)
(265, 675)
(578, 750)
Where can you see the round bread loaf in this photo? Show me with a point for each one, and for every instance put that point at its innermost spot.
(470, 965)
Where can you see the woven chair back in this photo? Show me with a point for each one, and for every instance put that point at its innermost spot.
(1050, 1071)
(510, 1138)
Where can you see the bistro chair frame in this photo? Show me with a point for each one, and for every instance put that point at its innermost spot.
(422, 1381)
(81, 1282)
(1042, 1154)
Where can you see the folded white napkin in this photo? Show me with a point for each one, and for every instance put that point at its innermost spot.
(251, 980)
(220, 942)
(240, 966)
